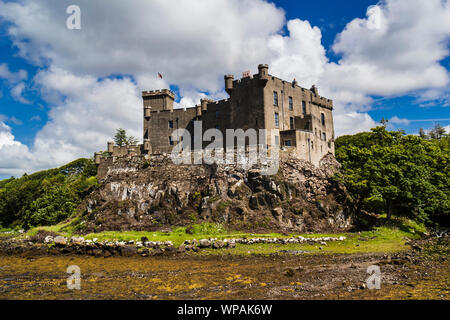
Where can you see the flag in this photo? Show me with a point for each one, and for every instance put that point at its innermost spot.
(160, 75)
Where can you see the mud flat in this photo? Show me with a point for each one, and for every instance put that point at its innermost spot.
(419, 273)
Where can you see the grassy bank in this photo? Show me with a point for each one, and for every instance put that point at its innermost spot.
(385, 238)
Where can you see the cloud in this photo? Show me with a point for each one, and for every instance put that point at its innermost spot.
(13, 77)
(401, 54)
(190, 42)
(17, 93)
(299, 54)
(78, 125)
(399, 121)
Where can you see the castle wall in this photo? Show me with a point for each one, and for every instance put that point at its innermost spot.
(295, 118)
(159, 127)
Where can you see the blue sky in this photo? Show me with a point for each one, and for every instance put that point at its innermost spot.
(42, 110)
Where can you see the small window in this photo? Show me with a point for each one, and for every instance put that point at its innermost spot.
(324, 136)
(304, 107)
(277, 120)
(291, 104)
(171, 141)
(170, 124)
(322, 115)
(288, 143)
(291, 123)
(275, 98)
(312, 145)
(217, 114)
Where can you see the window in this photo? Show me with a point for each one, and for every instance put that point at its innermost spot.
(171, 141)
(275, 98)
(304, 107)
(288, 143)
(170, 124)
(277, 140)
(217, 114)
(291, 104)
(312, 145)
(324, 136)
(291, 123)
(322, 115)
(277, 120)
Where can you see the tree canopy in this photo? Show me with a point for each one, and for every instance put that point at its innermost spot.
(397, 174)
(46, 197)
(122, 139)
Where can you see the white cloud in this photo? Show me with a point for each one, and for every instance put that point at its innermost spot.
(395, 50)
(299, 54)
(399, 56)
(189, 42)
(399, 121)
(17, 93)
(13, 77)
(78, 125)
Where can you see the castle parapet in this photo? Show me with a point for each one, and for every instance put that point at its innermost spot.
(322, 102)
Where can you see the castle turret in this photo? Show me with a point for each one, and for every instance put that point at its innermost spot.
(158, 100)
(205, 102)
(263, 71)
(110, 146)
(229, 83)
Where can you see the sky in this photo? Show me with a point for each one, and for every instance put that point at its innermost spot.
(63, 92)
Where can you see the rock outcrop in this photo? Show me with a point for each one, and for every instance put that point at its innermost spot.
(153, 193)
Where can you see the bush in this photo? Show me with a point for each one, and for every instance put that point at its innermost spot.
(46, 197)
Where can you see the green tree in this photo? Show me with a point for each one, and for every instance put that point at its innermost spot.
(121, 138)
(437, 132)
(396, 174)
(422, 134)
(46, 197)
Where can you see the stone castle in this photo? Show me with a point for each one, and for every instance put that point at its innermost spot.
(298, 120)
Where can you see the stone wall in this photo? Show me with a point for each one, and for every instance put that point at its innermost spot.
(149, 194)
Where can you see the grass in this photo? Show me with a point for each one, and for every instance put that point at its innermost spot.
(381, 239)
(390, 237)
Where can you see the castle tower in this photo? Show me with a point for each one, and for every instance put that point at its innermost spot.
(158, 100)
(155, 101)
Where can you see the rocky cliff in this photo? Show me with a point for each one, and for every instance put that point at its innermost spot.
(154, 193)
